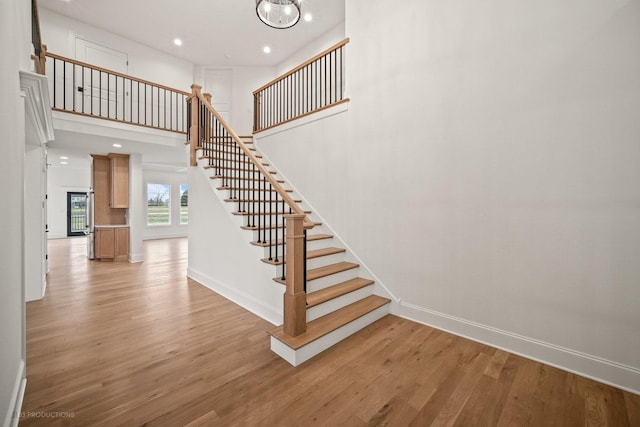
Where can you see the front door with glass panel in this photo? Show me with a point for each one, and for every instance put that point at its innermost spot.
(76, 214)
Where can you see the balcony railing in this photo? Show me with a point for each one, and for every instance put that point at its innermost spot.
(84, 89)
(315, 85)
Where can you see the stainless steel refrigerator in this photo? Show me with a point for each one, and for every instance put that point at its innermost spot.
(90, 228)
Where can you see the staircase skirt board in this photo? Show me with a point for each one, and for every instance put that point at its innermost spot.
(302, 354)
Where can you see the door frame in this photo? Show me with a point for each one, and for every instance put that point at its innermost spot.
(70, 194)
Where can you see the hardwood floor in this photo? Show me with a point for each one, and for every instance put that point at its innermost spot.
(131, 344)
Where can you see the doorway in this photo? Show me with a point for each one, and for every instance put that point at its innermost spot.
(76, 214)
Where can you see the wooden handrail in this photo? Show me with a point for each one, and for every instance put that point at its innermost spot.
(115, 73)
(308, 224)
(39, 48)
(304, 64)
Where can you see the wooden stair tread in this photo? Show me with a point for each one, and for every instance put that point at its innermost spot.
(287, 190)
(281, 181)
(310, 238)
(330, 269)
(327, 270)
(317, 253)
(269, 227)
(335, 291)
(326, 324)
(257, 201)
(234, 152)
(313, 237)
(235, 168)
(265, 213)
(310, 254)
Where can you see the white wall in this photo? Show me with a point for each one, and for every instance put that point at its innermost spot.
(34, 223)
(221, 257)
(15, 34)
(487, 172)
(174, 179)
(325, 41)
(59, 34)
(136, 211)
(62, 180)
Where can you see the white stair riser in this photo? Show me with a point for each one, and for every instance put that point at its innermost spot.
(297, 357)
(337, 303)
(332, 279)
(325, 260)
(253, 219)
(319, 244)
(271, 235)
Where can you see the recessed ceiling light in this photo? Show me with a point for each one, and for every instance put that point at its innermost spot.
(64, 158)
(117, 145)
(64, 163)
(308, 17)
(177, 42)
(266, 49)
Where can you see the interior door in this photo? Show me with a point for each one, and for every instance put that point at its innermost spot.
(104, 95)
(218, 82)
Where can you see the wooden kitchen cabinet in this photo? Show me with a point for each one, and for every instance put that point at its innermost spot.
(119, 197)
(112, 243)
(105, 243)
(121, 235)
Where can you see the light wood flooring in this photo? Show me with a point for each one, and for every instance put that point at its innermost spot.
(140, 344)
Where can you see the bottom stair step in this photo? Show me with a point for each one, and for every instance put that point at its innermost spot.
(329, 323)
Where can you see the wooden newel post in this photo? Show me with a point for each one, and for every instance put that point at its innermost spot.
(295, 299)
(207, 96)
(194, 126)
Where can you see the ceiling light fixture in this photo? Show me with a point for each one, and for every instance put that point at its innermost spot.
(308, 17)
(117, 145)
(279, 13)
(64, 158)
(177, 42)
(266, 49)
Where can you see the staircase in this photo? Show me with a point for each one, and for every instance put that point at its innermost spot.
(338, 301)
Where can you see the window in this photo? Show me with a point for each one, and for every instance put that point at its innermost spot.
(158, 204)
(184, 204)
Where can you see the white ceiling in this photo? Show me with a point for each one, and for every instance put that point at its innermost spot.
(214, 32)
(78, 147)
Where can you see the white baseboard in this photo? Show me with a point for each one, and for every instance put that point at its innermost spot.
(599, 369)
(166, 236)
(133, 258)
(268, 313)
(15, 405)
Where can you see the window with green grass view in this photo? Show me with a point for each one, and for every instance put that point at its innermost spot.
(158, 204)
(184, 204)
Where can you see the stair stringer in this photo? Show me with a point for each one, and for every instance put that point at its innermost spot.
(220, 256)
(365, 272)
